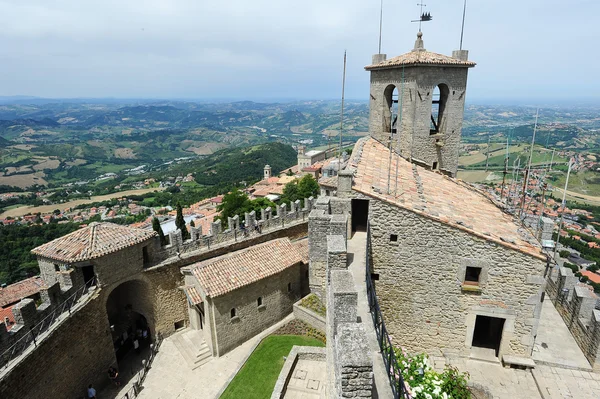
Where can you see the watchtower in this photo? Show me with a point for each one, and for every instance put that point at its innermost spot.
(267, 172)
(431, 89)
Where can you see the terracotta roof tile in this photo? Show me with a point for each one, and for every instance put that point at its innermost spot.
(302, 246)
(7, 313)
(329, 181)
(226, 273)
(192, 295)
(440, 197)
(93, 241)
(421, 57)
(22, 289)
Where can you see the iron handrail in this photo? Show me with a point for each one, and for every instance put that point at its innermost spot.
(136, 387)
(34, 335)
(393, 371)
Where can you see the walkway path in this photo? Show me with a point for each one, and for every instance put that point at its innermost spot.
(171, 377)
(357, 249)
(554, 344)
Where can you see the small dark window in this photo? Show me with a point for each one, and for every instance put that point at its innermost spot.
(307, 274)
(56, 268)
(179, 324)
(289, 287)
(232, 313)
(327, 192)
(259, 301)
(472, 275)
(435, 166)
(393, 237)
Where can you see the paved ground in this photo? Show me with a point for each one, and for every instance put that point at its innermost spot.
(171, 377)
(554, 345)
(308, 380)
(559, 383)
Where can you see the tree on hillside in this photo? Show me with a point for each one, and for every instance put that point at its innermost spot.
(156, 227)
(180, 223)
(305, 187)
(238, 203)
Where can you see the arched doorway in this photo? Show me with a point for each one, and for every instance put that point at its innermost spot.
(129, 312)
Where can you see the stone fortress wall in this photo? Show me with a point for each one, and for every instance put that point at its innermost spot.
(83, 340)
(577, 307)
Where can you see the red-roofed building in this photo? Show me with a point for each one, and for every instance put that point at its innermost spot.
(593, 277)
(28, 288)
(246, 291)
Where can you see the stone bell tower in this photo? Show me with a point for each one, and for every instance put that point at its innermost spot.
(430, 88)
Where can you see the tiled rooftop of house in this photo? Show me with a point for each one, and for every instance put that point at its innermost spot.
(328, 181)
(593, 277)
(302, 246)
(7, 317)
(437, 196)
(192, 295)
(226, 273)
(19, 290)
(93, 241)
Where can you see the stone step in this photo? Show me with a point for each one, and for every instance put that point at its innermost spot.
(203, 351)
(197, 337)
(184, 349)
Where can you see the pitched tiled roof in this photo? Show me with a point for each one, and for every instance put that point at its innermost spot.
(22, 289)
(437, 196)
(7, 313)
(329, 181)
(226, 273)
(93, 241)
(420, 58)
(192, 295)
(302, 246)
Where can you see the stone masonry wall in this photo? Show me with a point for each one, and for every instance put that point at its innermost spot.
(415, 140)
(420, 279)
(251, 319)
(76, 354)
(576, 305)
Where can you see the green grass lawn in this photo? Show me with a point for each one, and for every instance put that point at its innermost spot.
(257, 378)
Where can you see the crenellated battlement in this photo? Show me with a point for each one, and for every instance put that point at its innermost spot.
(284, 217)
(577, 306)
(32, 320)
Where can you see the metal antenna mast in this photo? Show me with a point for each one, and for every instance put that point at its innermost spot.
(529, 164)
(342, 114)
(380, 24)
(462, 31)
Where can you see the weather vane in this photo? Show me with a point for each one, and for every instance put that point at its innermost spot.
(425, 16)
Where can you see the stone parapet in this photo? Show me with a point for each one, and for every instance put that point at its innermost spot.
(349, 363)
(576, 305)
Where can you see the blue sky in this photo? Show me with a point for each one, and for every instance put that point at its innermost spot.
(262, 49)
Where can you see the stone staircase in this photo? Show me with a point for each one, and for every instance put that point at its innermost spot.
(192, 347)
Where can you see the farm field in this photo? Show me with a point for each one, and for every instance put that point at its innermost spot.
(24, 210)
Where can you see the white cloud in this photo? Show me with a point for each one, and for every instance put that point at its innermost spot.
(235, 48)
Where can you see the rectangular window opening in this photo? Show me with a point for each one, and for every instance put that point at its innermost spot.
(289, 287)
(393, 237)
(472, 275)
(435, 166)
(259, 301)
(232, 313)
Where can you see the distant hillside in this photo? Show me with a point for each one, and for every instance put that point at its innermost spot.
(45, 123)
(234, 165)
(4, 142)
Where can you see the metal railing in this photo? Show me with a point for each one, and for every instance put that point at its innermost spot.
(393, 371)
(34, 335)
(140, 376)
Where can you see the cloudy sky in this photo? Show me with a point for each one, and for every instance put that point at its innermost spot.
(275, 49)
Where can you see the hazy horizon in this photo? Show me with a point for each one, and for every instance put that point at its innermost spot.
(268, 49)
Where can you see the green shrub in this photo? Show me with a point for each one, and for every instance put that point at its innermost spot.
(571, 266)
(564, 254)
(426, 383)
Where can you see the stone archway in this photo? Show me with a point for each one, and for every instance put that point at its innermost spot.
(130, 313)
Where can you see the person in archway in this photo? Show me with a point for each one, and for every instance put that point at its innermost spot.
(113, 374)
(91, 392)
